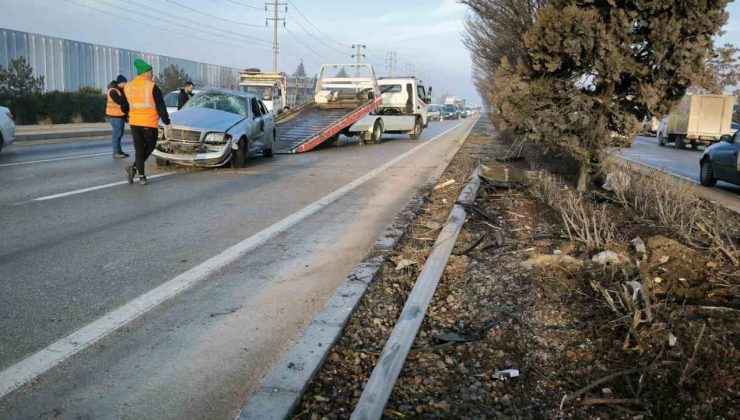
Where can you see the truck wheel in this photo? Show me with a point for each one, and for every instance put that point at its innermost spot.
(417, 130)
(377, 134)
(239, 157)
(707, 174)
(680, 144)
(161, 163)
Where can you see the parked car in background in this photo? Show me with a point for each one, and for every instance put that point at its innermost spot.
(451, 112)
(434, 113)
(216, 127)
(170, 100)
(7, 128)
(721, 161)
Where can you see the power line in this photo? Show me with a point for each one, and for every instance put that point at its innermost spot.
(316, 27)
(212, 16)
(244, 5)
(317, 38)
(108, 13)
(321, 56)
(233, 35)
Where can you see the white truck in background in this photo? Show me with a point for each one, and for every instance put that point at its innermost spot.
(699, 120)
(404, 108)
(279, 92)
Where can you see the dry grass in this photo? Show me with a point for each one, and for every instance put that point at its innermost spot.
(583, 220)
(673, 204)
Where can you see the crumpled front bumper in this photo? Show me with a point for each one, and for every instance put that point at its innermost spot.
(198, 159)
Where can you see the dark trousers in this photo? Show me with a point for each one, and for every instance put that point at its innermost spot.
(145, 140)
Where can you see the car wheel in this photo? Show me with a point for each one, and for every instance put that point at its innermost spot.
(239, 156)
(707, 174)
(377, 134)
(2, 141)
(680, 144)
(661, 140)
(417, 130)
(268, 152)
(161, 163)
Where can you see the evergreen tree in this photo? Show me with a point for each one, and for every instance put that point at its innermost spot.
(594, 69)
(300, 71)
(18, 80)
(173, 77)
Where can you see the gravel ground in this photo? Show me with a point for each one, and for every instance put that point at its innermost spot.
(527, 298)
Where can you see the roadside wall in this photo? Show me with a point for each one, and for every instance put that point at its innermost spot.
(68, 65)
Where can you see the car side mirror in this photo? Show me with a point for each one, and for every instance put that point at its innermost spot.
(726, 138)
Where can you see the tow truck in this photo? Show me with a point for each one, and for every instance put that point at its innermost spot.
(404, 109)
(344, 94)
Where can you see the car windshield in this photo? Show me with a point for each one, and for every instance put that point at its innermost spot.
(450, 108)
(170, 99)
(219, 101)
(264, 92)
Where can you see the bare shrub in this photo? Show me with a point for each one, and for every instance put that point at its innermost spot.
(583, 220)
(673, 204)
(77, 119)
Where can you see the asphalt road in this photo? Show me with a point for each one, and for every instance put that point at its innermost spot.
(684, 163)
(77, 244)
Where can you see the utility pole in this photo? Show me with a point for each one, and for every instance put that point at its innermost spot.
(391, 62)
(276, 19)
(359, 56)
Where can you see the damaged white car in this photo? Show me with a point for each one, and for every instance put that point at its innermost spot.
(217, 127)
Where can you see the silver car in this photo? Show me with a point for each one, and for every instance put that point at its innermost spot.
(217, 127)
(434, 113)
(7, 128)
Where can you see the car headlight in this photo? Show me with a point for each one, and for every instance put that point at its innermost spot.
(216, 138)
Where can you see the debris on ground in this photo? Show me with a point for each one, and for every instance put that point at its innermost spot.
(634, 329)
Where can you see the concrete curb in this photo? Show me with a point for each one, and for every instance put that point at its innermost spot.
(66, 135)
(281, 390)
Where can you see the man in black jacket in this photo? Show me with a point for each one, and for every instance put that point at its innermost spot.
(116, 109)
(185, 94)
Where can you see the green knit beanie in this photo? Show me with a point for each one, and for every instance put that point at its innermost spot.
(141, 66)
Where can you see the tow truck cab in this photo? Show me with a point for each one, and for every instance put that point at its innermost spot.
(271, 88)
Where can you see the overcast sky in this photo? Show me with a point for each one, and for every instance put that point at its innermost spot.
(423, 33)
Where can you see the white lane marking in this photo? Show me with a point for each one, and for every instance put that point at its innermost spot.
(53, 160)
(31, 367)
(97, 187)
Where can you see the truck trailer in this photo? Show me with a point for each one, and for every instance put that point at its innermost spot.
(344, 94)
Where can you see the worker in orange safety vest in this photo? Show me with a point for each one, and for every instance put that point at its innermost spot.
(146, 108)
(116, 109)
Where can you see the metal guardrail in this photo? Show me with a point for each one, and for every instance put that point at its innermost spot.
(378, 389)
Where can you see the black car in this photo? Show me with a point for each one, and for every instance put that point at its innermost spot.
(720, 161)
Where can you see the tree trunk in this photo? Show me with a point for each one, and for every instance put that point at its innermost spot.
(584, 177)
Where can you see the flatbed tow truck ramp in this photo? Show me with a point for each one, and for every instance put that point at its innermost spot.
(339, 102)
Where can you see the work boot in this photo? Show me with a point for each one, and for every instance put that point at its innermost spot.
(130, 172)
(121, 152)
(119, 155)
(142, 180)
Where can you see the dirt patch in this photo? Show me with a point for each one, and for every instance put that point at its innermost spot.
(521, 295)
